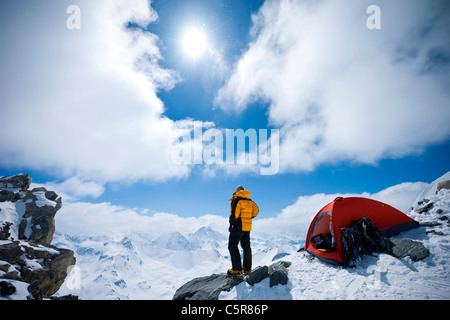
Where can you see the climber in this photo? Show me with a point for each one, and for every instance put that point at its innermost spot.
(243, 210)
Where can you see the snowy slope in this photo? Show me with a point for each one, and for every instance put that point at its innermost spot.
(430, 190)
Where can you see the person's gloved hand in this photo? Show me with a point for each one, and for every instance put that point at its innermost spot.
(230, 228)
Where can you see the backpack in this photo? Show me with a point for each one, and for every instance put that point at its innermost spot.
(351, 240)
(373, 240)
(362, 237)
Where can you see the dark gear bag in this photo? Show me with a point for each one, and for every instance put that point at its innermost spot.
(363, 237)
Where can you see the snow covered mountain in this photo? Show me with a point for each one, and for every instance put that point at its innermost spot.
(137, 266)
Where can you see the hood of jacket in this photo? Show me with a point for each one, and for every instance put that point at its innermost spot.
(242, 194)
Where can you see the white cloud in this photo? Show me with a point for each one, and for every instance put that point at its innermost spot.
(400, 196)
(73, 188)
(98, 219)
(340, 91)
(84, 102)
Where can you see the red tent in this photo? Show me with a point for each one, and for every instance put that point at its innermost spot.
(341, 213)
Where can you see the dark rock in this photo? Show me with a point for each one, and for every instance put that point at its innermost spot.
(278, 273)
(33, 260)
(34, 290)
(6, 288)
(11, 252)
(206, 288)
(406, 247)
(429, 224)
(54, 262)
(425, 208)
(42, 220)
(19, 181)
(438, 233)
(210, 287)
(4, 230)
(51, 195)
(10, 271)
(443, 185)
(257, 275)
(7, 195)
(4, 267)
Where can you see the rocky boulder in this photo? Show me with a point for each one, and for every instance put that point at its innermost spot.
(206, 288)
(257, 275)
(27, 225)
(401, 248)
(278, 273)
(443, 185)
(31, 212)
(20, 181)
(38, 223)
(4, 230)
(6, 288)
(210, 287)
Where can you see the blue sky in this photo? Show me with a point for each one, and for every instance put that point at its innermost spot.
(358, 110)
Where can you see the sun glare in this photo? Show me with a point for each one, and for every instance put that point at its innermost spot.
(194, 43)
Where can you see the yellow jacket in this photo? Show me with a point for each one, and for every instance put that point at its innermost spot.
(243, 210)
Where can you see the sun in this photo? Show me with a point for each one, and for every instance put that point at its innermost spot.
(194, 43)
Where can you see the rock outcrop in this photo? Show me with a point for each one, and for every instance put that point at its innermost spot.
(278, 273)
(206, 288)
(428, 212)
(210, 287)
(443, 185)
(401, 248)
(27, 225)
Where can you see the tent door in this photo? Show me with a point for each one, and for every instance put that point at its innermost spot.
(321, 234)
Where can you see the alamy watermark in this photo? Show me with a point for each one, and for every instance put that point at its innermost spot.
(73, 279)
(229, 147)
(73, 21)
(374, 278)
(374, 20)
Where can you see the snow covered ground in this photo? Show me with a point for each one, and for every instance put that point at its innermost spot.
(376, 277)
